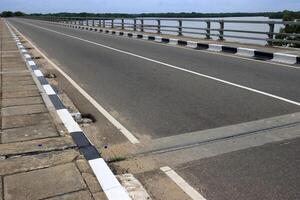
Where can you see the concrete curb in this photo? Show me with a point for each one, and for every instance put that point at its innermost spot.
(109, 183)
(250, 53)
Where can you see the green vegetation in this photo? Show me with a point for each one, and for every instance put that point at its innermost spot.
(12, 14)
(289, 16)
(117, 159)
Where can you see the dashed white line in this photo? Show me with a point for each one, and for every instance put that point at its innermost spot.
(189, 190)
(174, 67)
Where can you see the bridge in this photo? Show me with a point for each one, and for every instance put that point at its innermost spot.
(189, 117)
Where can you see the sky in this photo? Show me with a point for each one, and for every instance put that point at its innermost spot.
(146, 6)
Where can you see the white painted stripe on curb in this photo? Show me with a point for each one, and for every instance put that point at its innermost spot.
(68, 121)
(189, 190)
(158, 39)
(38, 73)
(215, 47)
(192, 44)
(145, 37)
(245, 52)
(109, 183)
(31, 63)
(173, 41)
(134, 35)
(23, 50)
(285, 58)
(27, 56)
(21, 46)
(49, 90)
(171, 66)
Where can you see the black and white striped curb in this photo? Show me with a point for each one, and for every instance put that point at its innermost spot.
(245, 52)
(109, 183)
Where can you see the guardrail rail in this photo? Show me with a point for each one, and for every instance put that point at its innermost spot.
(207, 28)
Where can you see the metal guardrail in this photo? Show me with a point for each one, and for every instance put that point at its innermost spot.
(157, 25)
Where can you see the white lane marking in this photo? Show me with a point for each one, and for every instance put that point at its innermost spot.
(109, 183)
(175, 67)
(49, 90)
(68, 121)
(189, 190)
(105, 113)
(38, 73)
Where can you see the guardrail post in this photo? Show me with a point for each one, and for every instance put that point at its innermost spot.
(87, 22)
(122, 21)
(221, 31)
(271, 33)
(104, 23)
(208, 30)
(134, 24)
(93, 22)
(142, 25)
(112, 23)
(158, 26)
(179, 27)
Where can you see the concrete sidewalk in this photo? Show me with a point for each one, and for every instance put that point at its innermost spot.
(38, 158)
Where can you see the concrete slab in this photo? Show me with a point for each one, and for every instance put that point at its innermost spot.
(267, 172)
(23, 110)
(160, 186)
(39, 161)
(18, 87)
(43, 183)
(24, 93)
(81, 195)
(100, 196)
(83, 166)
(41, 145)
(21, 101)
(24, 120)
(1, 189)
(17, 75)
(92, 182)
(38, 131)
(8, 80)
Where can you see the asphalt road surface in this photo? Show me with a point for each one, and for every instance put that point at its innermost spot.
(154, 99)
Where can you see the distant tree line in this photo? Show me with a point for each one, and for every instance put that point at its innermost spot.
(272, 15)
(12, 14)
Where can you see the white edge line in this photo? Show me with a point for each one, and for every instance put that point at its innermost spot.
(189, 190)
(117, 124)
(113, 189)
(174, 67)
(109, 183)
